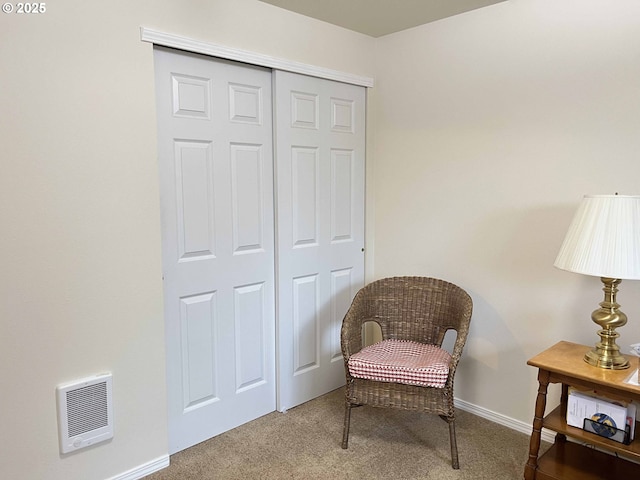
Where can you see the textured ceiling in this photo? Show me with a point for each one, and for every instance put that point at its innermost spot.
(380, 17)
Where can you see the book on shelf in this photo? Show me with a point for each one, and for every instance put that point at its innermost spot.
(618, 414)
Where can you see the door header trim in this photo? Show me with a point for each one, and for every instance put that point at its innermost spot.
(229, 53)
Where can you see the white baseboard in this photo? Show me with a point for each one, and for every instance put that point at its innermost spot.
(513, 424)
(144, 469)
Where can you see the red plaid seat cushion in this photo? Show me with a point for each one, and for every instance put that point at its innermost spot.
(402, 361)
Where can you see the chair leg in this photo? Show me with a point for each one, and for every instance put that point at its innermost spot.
(347, 421)
(454, 444)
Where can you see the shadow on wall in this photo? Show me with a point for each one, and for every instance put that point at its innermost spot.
(528, 303)
(493, 369)
(550, 304)
(519, 245)
(490, 344)
(510, 254)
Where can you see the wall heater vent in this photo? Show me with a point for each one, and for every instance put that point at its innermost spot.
(85, 412)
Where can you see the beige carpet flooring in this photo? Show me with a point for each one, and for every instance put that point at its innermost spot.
(304, 443)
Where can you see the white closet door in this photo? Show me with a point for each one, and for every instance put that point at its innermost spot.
(216, 179)
(320, 148)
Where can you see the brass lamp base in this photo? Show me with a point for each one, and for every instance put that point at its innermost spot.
(606, 353)
(601, 356)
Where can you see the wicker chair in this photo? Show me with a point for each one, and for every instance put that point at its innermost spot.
(416, 309)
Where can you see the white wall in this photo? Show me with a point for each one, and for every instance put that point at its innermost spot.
(486, 129)
(491, 126)
(79, 204)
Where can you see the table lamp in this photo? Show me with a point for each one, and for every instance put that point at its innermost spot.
(604, 241)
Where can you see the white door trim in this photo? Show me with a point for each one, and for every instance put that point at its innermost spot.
(197, 46)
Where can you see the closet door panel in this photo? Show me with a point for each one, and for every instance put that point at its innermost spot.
(215, 154)
(320, 148)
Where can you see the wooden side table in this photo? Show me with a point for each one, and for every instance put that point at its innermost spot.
(563, 363)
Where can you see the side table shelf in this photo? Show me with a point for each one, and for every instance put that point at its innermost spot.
(568, 460)
(557, 422)
(582, 457)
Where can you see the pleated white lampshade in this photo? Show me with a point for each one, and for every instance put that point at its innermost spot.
(604, 238)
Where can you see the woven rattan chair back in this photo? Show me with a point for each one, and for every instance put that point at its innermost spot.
(419, 309)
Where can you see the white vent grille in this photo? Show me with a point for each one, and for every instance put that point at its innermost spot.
(85, 414)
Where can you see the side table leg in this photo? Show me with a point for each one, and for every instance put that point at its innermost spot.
(564, 399)
(534, 445)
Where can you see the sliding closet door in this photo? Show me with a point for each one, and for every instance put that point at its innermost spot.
(320, 143)
(216, 179)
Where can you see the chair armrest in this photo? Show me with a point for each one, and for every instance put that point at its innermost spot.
(351, 333)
